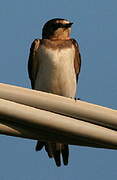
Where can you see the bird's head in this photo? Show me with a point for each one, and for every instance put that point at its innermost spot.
(57, 29)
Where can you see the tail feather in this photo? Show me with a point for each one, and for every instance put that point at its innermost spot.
(39, 145)
(65, 153)
(56, 154)
(48, 150)
(54, 150)
(57, 158)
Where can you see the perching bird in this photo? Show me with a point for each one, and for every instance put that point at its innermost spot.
(53, 66)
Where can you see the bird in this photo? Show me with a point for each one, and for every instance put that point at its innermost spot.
(54, 65)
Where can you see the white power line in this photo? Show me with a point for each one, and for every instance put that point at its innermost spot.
(38, 115)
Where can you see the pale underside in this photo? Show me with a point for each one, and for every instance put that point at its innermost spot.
(56, 73)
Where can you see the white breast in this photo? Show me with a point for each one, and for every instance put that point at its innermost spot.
(56, 72)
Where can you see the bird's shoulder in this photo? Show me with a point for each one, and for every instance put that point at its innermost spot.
(75, 44)
(35, 45)
(53, 44)
(77, 59)
(33, 61)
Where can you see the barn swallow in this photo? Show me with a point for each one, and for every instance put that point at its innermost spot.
(54, 66)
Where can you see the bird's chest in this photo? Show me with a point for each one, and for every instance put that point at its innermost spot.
(56, 72)
(56, 58)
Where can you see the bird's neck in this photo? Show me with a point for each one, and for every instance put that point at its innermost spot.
(58, 35)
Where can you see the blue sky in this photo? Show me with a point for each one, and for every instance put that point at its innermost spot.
(95, 29)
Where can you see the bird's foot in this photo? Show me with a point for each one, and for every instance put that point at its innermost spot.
(76, 99)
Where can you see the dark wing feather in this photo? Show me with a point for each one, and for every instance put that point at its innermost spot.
(33, 64)
(33, 61)
(77, 59)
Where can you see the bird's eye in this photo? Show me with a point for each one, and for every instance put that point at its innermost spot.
(56, 25)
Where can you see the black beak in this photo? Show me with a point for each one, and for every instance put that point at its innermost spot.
(68, 25)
